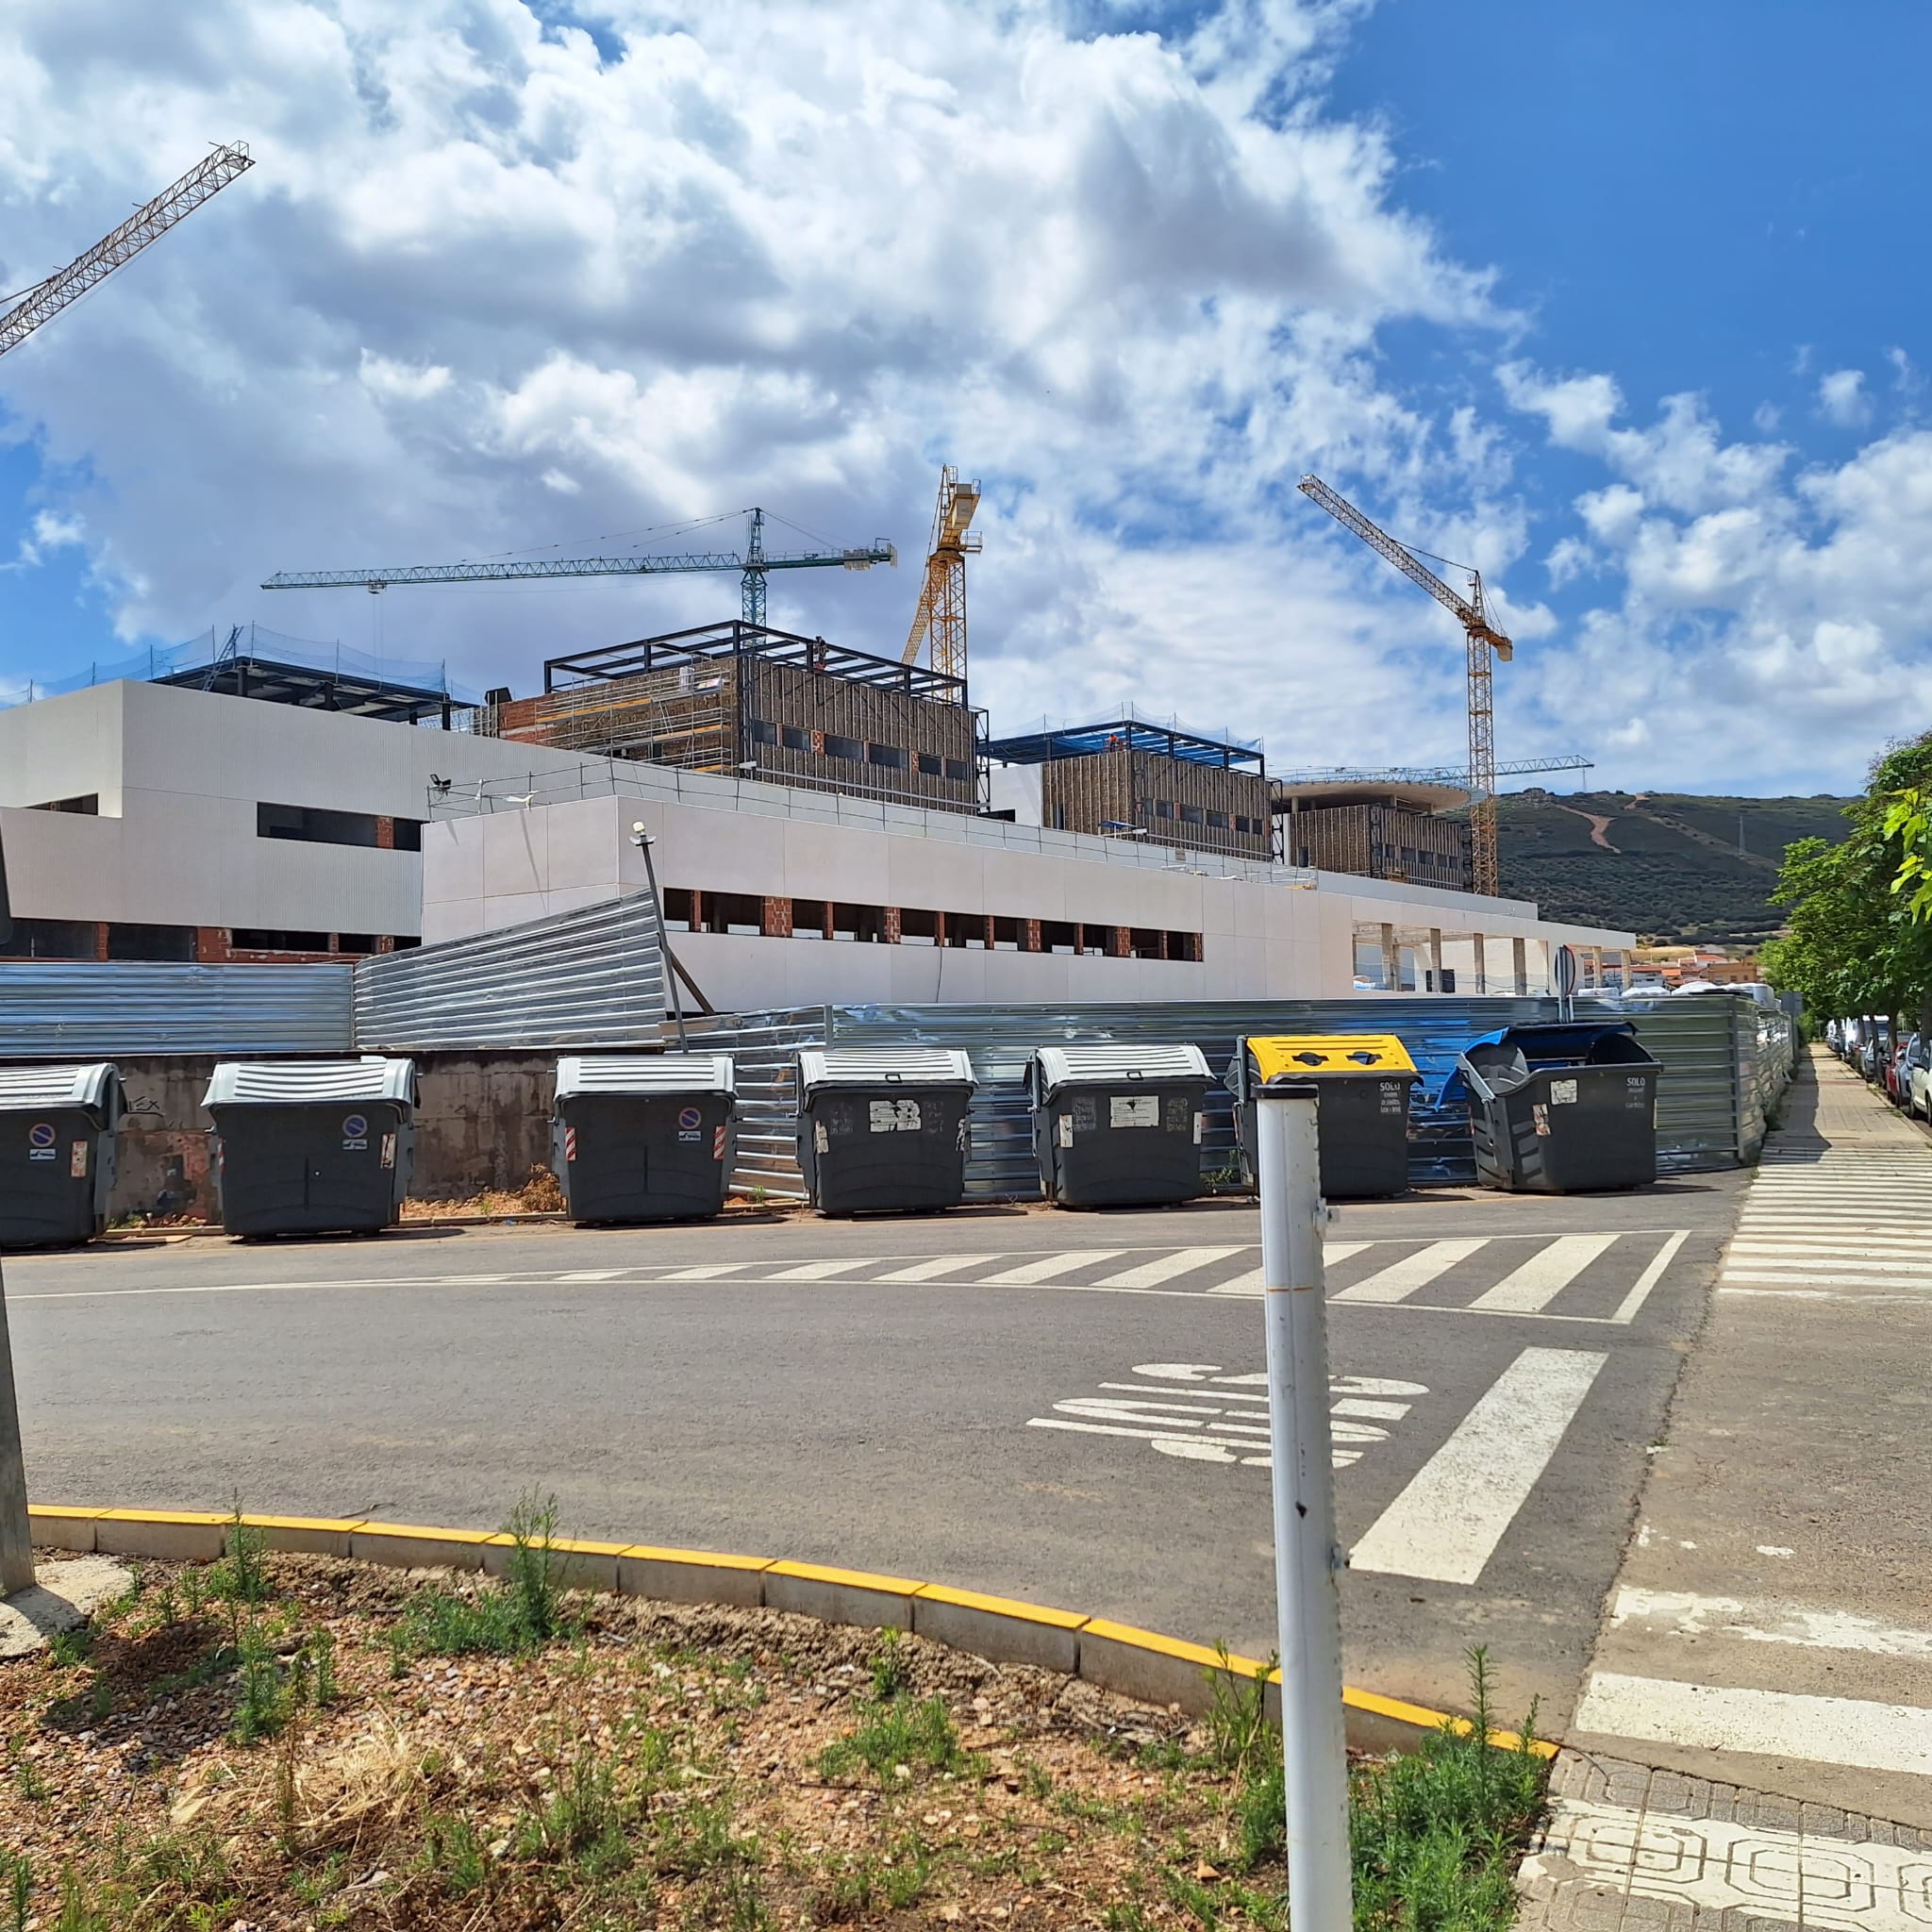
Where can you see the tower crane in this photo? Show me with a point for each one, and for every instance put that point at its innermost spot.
(941, 613)
(753, 563)
(1484, 638)
(47, 299)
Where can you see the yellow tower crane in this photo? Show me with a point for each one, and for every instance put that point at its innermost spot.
(1483, 638)
(941, 613)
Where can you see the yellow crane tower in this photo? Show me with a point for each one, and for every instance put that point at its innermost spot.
(941, 613)
(1483, 638)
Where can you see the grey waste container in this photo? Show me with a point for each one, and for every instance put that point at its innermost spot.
(1116, 1126)
(643, 1137)
(313, 1146)
(57, 1130)
(1560, 1106)
(883, 1127)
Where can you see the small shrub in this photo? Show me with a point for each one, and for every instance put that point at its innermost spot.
(452, 1850)
(698, 1837)
(891, 1672)
(241, 1576)
(17, 1874)
(68, 1648)
(917, 1736)
(270, 1693)
(532, 1530)
(1240, 1739)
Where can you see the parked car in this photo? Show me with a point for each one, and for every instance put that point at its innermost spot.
(1918, 1076)
(1875, 1049)
(1897, 1080)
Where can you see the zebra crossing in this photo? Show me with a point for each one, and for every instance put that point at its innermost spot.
(1842, 1224)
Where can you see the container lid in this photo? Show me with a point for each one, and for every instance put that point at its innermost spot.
(644, 1072)
(27, 1089)
(1116, 1065)
(1308, 1056)
(294, 1083)
(883, 1066)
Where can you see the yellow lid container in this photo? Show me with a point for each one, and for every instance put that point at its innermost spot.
(1308, 1056)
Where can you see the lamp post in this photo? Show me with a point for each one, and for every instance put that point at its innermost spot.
(667, 972)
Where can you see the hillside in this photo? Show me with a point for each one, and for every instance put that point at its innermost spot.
(1665, 865)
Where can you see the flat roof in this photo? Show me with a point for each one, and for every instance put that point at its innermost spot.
(1132, 734)
(1316, 793)
(359, 695)
(738, 640)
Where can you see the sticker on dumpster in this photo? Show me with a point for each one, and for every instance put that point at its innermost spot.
(717, 1143)
(1133, 1110)
(388, 1150)
(1178, 1113)
(1540, 1116)
(894, 1116)
(1200, 1128)
(1563, 1093)
(42, 1135)
(355, 1134)
(1391, 1096)
(76, 1160)
(688, 1117)
(1066, 1130)
(569, 1143)
(820, 1139)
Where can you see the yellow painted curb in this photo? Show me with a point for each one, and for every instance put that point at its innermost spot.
(1167, 1664)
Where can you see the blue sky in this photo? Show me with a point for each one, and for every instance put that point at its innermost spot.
(1623, 305)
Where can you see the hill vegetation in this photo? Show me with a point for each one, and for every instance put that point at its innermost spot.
(1671, 867)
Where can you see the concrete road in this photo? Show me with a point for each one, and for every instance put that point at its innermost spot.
(1061, 1406)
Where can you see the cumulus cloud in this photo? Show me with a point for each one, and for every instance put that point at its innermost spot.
(1842, 400)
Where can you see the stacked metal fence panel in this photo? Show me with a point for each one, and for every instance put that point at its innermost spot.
(1708, 1048)
(101, 1008)
(587, 978)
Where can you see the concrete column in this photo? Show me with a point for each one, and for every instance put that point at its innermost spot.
(1519, 960)
(1482, 979)
(1596, 968)
(1392, 961)
(1435, 959)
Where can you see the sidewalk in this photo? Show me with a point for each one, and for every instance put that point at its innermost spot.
(1760, 1696)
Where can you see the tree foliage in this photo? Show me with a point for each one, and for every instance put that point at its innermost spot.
(1860, 938)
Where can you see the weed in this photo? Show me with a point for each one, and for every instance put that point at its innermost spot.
(1130, 1917)
(28, 1782)
(17, 1872)
(194, 1581)
(241, 1576)
(1038, 1781)
(896, 1881)
(270, 1693)
(699, 1839)
(1168, 1754)
(312, 1887)
(739, 1892)
(455, 1852)
(69, 1647)
(1188, 1894)
(321, 1656)
(532, 1530)
(898, 1739)
(584, 1820)
(1239, 1738)
(193, 1863)
(78, 1912)
(441, 1622)
(892, 1673)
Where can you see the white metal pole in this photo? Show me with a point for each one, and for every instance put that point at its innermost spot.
(1307, 1563)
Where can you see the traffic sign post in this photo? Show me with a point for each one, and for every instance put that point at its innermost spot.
(1307, 1563)
(16, 1536)
(1565, 963)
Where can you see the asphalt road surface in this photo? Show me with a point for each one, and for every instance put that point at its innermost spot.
(1067, 1407)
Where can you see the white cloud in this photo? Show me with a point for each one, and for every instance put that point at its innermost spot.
(1842, 400)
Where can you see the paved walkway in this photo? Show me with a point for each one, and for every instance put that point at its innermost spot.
(1760, 1695)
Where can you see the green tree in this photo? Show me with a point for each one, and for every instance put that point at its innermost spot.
(1859, 942)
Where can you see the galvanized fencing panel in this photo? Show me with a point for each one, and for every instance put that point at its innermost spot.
(128, 1008)
(591, 977)
(1698, 1120)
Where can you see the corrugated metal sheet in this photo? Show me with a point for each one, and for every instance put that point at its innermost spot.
(882, 1066)
(294, 1083)
(1077, 1066)
(1716, 1079)
(24, 1089)
(639, 1073)
(80, 1009)
(591, 977)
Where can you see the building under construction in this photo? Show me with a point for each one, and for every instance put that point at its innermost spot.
(741, 698)
(1132, 779)
(1377, 829)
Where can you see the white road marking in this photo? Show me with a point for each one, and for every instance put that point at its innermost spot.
(1639, 1294)
(1754, 1872)
(1769, 1724)
(1255, 1282)
(1447, 1524)
(1401, 1279)
(821, 1271)
(1049, 1265)
(1683, 1613)
(705, 1271)
(1152, 1274)
(1533, 1284)
(1845, 1262)
(931, 1271)
(1813, 1247)
(594, 1274)
(1812, 1278)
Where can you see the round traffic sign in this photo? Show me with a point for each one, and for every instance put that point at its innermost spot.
(1566, 972)
(689, 1117)
(40, 1134)
(355, 1128)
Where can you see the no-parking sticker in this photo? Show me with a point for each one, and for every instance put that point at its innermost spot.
(355, 1132)
(689, 1121)
(40, 1141)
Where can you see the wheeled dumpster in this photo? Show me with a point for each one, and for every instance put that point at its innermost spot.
(883, 1127)
(57, 1152)
(643, 1137)
(1118, 1127)
(1560, 1106)
(313, 1146)
(1362, 1085)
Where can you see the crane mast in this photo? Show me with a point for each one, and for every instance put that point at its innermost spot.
(47, 299)
(941, 613)
(1485, 642)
